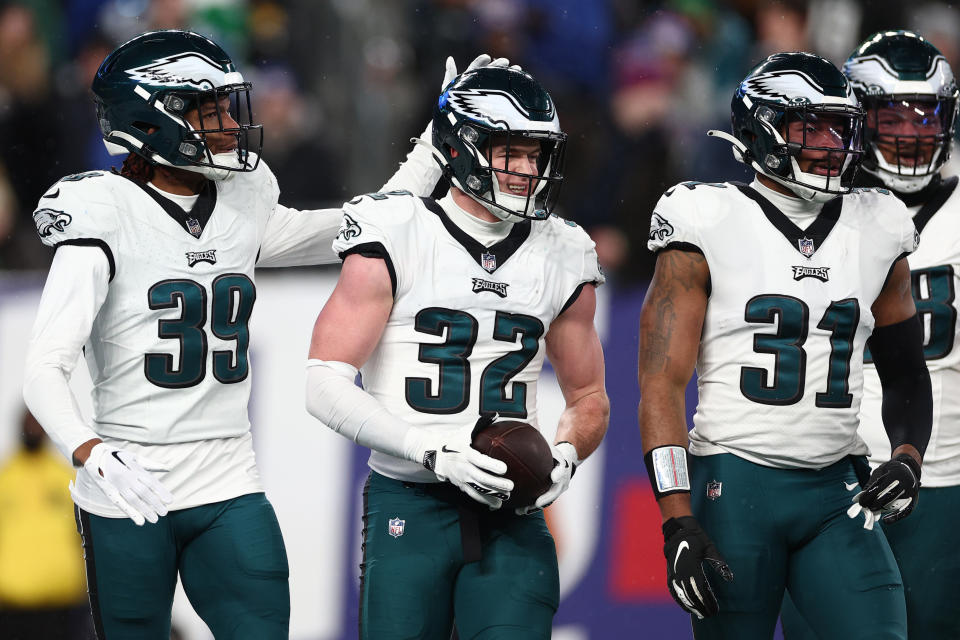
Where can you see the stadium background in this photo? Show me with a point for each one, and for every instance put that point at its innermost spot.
(340, 86)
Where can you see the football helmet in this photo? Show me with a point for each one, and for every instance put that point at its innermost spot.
(909, 94)
(793, 105)
(499, 105)
(146, 86)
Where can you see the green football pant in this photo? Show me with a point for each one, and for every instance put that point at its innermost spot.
(416, 582)
(925, 548)
(788, 529)
(231, 561)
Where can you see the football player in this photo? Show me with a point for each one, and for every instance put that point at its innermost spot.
(153, 278)
(771, 290)
(908, 91)
(447, 308)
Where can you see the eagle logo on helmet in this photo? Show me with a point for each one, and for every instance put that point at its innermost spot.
(189, 67)
(50, 220)
(782, 86)
(491, 106)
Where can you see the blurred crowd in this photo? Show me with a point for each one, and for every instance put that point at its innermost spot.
(341, 85)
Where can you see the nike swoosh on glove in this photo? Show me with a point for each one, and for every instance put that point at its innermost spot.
(891, 492)
(126, 480)
(451, 457)
(686, 547)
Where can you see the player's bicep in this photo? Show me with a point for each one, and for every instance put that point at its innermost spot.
(353, 319)
(671, 320)
(573, 347)
(895, 302)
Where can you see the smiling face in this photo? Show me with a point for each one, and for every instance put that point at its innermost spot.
(522, 156)
(211, 116)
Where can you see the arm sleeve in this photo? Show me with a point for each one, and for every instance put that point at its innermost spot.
(296, 238)
(334, 399)
(72, 296)
(907, 406)
(420, 173)
(673, 223)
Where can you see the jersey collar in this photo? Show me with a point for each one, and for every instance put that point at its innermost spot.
(805, 241)
(489, 258)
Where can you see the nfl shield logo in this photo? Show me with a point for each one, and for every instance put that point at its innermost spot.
(396, 527)
(806, 246)
(193, 225)
(488, 261)
(713, 489)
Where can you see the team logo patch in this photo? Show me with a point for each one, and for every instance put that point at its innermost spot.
(348, 228)
(50, 220)
(806, 246)
(660, 229)
(193, 257)
(820, 273)
(490, 106)
(396, 526)
(499, 288)
(713, 489)
(489, 262)
(193, 226)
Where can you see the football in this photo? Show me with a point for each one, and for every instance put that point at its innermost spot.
(527, 454)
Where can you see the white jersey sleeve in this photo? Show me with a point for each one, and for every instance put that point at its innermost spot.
(370, 227)
(79, 210)
(673, 224)
(295, 238)
(74, 292)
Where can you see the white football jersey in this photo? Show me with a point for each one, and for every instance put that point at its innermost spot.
(168, 350)
(779, 368)
(466, 332)
(935, 279)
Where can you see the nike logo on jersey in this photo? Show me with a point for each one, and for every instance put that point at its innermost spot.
(445, 450)
(820, 273)
(499, 288)
(851, 485)
(193, 257)
(683, 545)
(52, 194)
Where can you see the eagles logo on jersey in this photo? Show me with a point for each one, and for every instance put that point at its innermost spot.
(50, 220)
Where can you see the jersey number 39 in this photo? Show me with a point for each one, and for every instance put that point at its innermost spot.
(232, 298)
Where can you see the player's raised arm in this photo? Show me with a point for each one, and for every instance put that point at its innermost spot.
(296, 237)
(907, 410)
(574, 350)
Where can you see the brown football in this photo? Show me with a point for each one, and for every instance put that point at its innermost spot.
(527, 454)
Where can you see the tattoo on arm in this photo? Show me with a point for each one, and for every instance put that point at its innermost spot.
(677, 273)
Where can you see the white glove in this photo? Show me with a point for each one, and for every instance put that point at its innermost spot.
(449, 455)
(125, 479)
(565, 463)
(482, 60)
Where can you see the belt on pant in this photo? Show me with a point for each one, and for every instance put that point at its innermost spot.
(469, 512)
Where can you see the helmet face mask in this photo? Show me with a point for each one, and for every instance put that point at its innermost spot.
(488, 124)
(796, 120)
(150, 88)
(911, 99)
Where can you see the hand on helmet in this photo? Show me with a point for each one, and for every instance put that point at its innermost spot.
(483, 60)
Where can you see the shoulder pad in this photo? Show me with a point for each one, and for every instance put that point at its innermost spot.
(373, 218)
(78, 207)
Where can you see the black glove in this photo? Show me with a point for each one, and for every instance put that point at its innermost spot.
(686, 547)
(892, 488)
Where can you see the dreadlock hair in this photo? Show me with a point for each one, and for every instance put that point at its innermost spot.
(137, 168)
